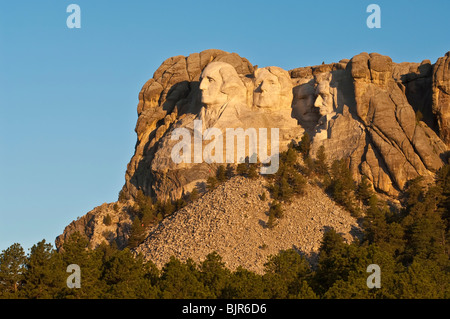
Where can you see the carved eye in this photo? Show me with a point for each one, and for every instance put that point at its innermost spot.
(210, 79)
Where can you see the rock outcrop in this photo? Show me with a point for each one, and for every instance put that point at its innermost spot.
(390, 120)
(232, 220)
(441, 96)
(364, 109)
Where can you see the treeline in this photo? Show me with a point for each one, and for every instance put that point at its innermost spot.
(410, 245)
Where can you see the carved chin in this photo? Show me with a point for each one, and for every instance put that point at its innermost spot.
(213, 100)
(263, 103)
(267, 101)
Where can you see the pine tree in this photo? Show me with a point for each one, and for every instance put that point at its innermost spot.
(75, 251)
(45, 275)
(137, 234)
(181, 281)
(283, 273)
(305, 145)
(221, 174)
(194, 195)
(245, 284)
(320, 164)
(12, 262)
(127, 277)
(253, 171)
(242, 169)
(145, 208)
(211, 183)
(214, 275)
(364, 191)
(229, 172)
(342, 186)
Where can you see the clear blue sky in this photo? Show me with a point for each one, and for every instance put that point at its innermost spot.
(68, 97)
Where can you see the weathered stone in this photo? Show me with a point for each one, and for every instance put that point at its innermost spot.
(366, 110)
(441, 96)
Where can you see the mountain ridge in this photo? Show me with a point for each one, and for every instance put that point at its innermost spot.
(388, 120)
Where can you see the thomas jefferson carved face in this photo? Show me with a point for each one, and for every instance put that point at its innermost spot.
(220, 83)
(273, 88)
(267, 90)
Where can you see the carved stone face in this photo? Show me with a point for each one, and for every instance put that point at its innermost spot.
(324, 100)
(303, 103)
(219, 84)
(267, 90)
(273, 88)
(211, 83)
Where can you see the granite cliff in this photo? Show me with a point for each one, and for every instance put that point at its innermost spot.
(389, 120)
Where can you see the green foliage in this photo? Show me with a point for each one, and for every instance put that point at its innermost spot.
(137, 234)
(364, 190)
(244, 284)
(410, 245)
(242, 169)
(275, 213)
(287, 181)
(44, 276)
(342, 186)
(229, 171)
(305, 145)
(321, 164)
(194, 195)
(221, 174)
(214, 275)
(181, 281)
(253, 171)
(75, 251)
(145, 209)
(12, 262)
(126, 277)
(285, 275)
(211, 183)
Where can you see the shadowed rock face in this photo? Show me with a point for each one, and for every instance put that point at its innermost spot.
(363, 109)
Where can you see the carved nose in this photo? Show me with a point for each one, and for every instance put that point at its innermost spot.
(318, 102)
(263, 87)
(202, 85)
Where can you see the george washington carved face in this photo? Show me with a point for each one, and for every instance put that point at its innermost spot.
(219, 84)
